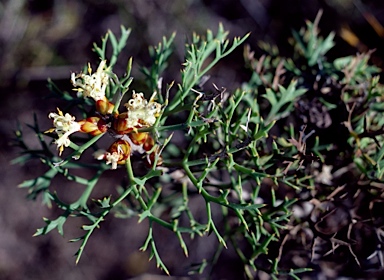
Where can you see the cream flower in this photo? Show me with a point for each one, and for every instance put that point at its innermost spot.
(64, 125)
(112, 158)
(117, 153)
(116, 156)
(140, 111)
(92, 85)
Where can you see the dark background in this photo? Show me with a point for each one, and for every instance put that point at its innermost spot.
(42, 38)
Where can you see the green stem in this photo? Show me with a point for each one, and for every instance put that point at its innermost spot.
(133, 181)
(76, 154)
(181, 126)
(204, 193)
(82, 201)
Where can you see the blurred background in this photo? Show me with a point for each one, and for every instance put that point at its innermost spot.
(42, 39)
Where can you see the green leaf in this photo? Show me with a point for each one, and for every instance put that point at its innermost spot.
(144, 215)
(287, 96)
(248, 207)
(54, 224)
(104, 203)
(39, 184)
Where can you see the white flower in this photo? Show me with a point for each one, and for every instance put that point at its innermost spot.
(140, 111)
(112, 158)
(92, 85)
(64, 125)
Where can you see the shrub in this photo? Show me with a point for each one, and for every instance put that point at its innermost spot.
(292, 159)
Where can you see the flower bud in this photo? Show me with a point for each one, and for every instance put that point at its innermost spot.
(93, 126)
(117, 153)
(120, 124)
(149, 143)
(104, 107)
(122, 147)
(138, 138)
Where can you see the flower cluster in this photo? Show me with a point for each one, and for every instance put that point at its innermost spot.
(123, 127)
(64, 125)
(92, 85)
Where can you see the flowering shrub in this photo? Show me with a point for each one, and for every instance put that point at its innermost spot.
(140, 113)
(226, 157)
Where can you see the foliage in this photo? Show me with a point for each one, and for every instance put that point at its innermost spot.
(252, 155)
